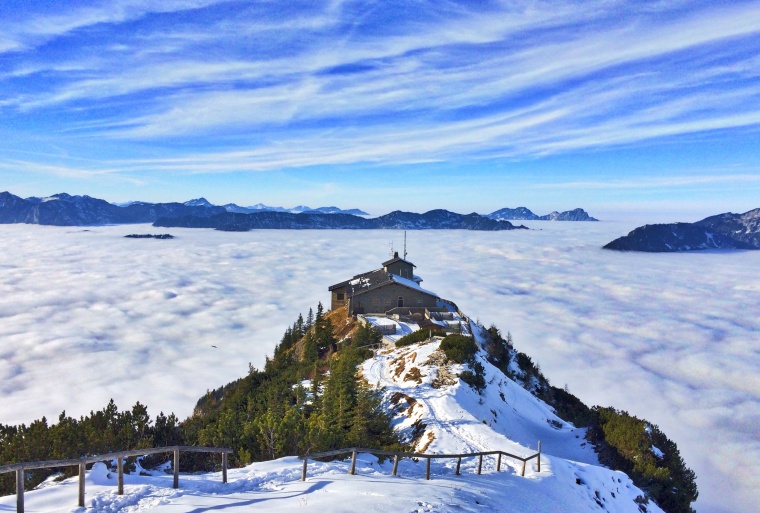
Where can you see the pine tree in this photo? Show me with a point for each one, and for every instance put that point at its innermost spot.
(310, 350)
(320, 312)
(310, 319)
(300, 326)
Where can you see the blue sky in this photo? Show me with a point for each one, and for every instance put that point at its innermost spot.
(613, 106)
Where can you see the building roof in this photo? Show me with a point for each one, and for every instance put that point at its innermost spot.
(395, 259)
(372, 280)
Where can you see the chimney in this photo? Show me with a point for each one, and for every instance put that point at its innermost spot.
(395, 254)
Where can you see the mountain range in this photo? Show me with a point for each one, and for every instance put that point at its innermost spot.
(67, 210)
(432, 220)
(723, 231)
(71, 210)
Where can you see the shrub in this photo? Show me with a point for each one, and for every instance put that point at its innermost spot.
(475, 378)
(416, 337)
(459, 348)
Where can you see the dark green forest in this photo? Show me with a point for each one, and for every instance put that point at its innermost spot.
(269, 413)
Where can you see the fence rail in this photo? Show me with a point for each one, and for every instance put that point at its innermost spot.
(19, 468)
(398, 454)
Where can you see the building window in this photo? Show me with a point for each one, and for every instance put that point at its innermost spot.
(375, 302)
(400, 301)
(419, 302)
(387, 302)
(339, 296)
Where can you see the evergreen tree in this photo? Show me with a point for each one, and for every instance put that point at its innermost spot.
(310, 319)
(320, 312)
(310, 350)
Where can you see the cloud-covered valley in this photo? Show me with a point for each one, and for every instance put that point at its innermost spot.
(87, 315)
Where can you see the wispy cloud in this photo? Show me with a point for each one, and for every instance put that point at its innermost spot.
(666, 182)
(563, 79)
(35, 28)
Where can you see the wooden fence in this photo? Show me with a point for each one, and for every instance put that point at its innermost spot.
(19, 468)
(397, 455)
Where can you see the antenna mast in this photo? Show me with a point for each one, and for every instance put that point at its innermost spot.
(404, 244)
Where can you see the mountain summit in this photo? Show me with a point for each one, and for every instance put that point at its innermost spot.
(437, 391)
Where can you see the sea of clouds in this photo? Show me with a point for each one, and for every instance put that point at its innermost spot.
(87, 315)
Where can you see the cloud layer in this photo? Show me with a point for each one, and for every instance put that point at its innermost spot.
(88, 315)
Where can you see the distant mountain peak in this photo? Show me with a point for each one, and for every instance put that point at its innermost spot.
(722, 231)
(525, 214)
(198, 202)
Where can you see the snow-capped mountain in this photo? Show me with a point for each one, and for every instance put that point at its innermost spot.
(723, 231)
(300, 209)
(524, 214)
(198, 202)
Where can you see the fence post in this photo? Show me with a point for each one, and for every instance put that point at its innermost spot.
(224, 467)
(82, 468)
(539, 455)
(20, 490)
(303, 471)
(480, 463)
(459, 464)
(176, 468)
(120, 479)
(353, 463)
(395, 465)
(522, 473)
(498, 463)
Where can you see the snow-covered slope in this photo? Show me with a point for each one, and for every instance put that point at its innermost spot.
(459, 419)
(434, 410)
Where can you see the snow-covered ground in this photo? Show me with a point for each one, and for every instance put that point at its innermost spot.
(276, 486)
(86, 315)
(459, 420)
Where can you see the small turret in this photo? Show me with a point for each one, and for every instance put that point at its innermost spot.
(399, 267)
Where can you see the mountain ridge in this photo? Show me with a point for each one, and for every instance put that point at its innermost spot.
(722, 231)
(64, 209)
(396, 220)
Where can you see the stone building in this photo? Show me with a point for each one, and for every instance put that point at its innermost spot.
(376, 292)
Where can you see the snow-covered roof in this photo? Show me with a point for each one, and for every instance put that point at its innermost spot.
(411, 284)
